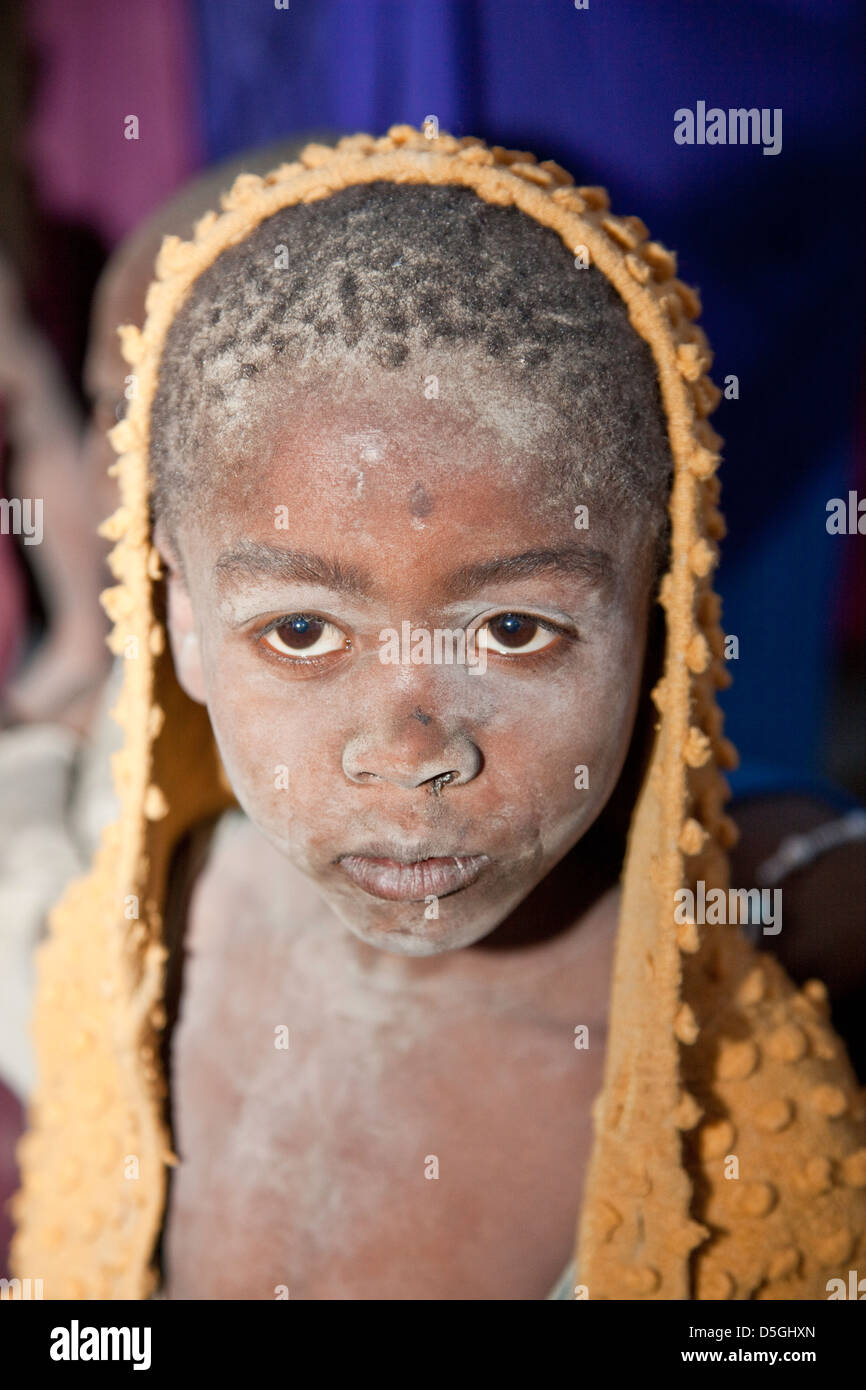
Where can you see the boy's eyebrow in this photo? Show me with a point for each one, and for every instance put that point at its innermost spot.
(585, 560)
(253, 558)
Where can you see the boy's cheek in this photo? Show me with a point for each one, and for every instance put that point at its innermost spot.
(281, 753)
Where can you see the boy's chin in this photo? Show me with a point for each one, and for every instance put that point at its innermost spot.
(404, 929)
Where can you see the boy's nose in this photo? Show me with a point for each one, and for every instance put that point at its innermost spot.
(412, 753)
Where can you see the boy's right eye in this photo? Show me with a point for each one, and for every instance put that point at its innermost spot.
(304, 636)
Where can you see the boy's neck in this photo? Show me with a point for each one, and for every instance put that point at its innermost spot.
(554, 952)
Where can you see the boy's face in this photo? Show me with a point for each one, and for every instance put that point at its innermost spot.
(367, 507)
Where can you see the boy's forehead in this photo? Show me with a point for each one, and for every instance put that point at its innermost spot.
(437, 467)
(372, 432)
(369, 473)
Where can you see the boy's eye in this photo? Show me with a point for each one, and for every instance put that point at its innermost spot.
(304, 635)
(516, 632)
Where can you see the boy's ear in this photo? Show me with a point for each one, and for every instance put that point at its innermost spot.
(180, 620)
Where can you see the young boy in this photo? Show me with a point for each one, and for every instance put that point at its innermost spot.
(382, 410)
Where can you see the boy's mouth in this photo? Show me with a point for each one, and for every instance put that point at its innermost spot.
(402, 880)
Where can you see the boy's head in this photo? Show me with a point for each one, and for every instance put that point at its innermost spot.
(380, 416)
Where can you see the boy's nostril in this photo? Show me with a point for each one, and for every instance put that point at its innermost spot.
(437, 783)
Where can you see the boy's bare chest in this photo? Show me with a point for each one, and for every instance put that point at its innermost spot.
(343, 1139)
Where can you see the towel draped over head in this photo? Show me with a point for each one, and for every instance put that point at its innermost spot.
(712, 1053)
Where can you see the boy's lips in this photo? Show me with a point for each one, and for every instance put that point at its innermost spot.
(412, 880)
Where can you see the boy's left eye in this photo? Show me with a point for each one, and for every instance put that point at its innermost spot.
(304, 635)
(516, 632)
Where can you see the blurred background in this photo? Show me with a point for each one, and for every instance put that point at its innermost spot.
(109, 107)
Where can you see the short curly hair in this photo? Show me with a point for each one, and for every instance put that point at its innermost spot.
(385, 272)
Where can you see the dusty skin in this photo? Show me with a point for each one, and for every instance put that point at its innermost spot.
(315, 1157)
(402, 1046)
